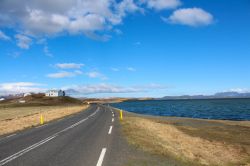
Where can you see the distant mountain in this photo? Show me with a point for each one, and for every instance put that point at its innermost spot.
(232, 94)
(215, 96)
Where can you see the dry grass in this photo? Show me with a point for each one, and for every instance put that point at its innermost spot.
(14, 119)
(9, 113)
(165, 138)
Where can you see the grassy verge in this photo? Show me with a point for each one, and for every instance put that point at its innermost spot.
(19, 118)
(190, 141)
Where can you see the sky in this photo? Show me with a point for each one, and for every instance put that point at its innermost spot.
(125, 48)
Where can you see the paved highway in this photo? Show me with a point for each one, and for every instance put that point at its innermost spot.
(89, 138)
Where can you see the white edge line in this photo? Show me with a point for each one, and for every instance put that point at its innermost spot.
(20, 153)
(41, 126)
(3, 138)
(10, 135)
(101, 158)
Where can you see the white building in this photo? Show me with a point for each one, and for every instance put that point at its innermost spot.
(2, 99)
(55, 93)
(26, 94)
(21, 101)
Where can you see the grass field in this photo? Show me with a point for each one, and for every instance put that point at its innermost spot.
(190, 141)
(15, 119)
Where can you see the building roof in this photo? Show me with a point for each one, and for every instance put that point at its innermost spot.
(54, 90)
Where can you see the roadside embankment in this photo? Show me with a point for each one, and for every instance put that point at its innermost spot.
(190, 141)
(18, 118)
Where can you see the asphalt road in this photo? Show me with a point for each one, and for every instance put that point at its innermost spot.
(89, 138)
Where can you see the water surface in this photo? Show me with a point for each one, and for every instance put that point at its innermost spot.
(230, 109)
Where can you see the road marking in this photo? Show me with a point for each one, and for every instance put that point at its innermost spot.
(110, 129)
(95, 112)
(101, 158)
(22, 152)
(112, 119)
(41, 126)
(113, 115)
(10, 135)
(1, 139)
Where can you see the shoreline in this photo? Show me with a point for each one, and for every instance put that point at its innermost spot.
(179, 117)
(189, 141)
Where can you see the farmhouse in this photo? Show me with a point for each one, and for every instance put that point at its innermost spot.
(26, 94)
(55, 93)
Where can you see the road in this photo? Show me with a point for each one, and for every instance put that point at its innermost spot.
(89, 138)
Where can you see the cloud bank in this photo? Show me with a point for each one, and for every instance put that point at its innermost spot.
(20, 87)
(45, 17)
(33, 19)
(77, 90)
(109, 88)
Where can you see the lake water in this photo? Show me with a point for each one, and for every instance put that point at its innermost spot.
(230, 109)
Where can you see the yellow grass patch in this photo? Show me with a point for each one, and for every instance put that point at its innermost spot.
(18, 118)
(166, 139)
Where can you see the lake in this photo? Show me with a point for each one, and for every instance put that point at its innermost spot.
(226, 109)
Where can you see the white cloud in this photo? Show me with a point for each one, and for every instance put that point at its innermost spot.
(96, 74)
(20, 87)
(240, 90)
(131, 69)
(162, 4)
(92, 18)
(64, 74)
(41, 41)
(118, 31)
(69, 65)
(23, 41)
(127, 6)
(96, 36)
(47, 51)
(44, 17)
(190, 16)
(3, 36)
(90, 22)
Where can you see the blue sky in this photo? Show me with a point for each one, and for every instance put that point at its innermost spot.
(126, 48)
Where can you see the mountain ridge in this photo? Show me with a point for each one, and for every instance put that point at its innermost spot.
(215, 96)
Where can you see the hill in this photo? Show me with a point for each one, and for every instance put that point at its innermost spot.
(39, 100)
